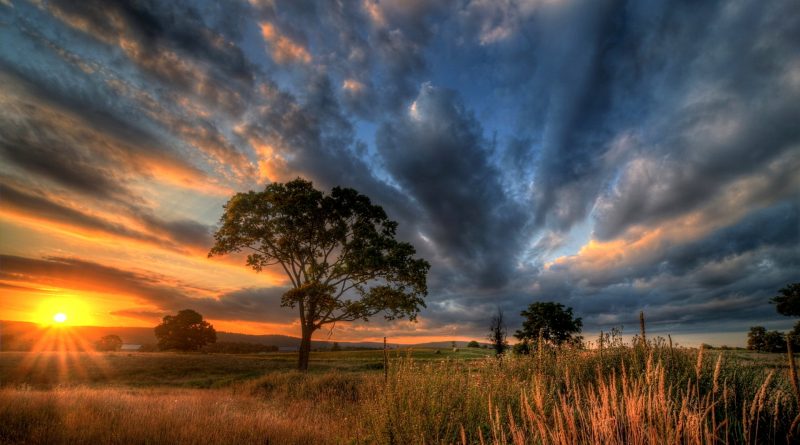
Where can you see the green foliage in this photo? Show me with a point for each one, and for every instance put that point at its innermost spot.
(109, 343)
(473, 344)
(554, 323)
(338, 250)
(522, 348)
(186, 331)
(788, 301)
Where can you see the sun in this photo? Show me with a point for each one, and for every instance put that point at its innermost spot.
(63, 310)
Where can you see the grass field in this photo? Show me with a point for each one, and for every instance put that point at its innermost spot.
(50, 369)
(624, 395)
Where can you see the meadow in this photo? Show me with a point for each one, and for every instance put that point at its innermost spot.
(622, 394)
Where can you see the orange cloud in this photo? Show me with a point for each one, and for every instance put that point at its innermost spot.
(283, 48)
(643, 244)
(352, 86)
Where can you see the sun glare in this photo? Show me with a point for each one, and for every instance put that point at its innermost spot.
(63, 310)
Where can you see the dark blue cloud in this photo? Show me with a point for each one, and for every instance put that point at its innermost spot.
(496, 133)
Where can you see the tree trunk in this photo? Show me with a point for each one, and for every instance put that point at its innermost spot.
(305, 349)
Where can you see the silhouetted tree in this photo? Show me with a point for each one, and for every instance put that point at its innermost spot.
(755, 338)
(338, 250)
(473, 344)
(497, 333)
(336, 347)
(794, 337)
(774, 341)
(186, 331)
(556, 323)
(759, 339)
(109, 343)
(788, 301)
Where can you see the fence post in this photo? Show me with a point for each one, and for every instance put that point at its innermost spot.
(385, 361)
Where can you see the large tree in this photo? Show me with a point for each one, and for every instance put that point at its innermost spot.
(338, 250)
(556, 324)
(186, 331)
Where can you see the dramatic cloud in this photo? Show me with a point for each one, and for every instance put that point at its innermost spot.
(160, 294)
(436, 151)
(612, 156)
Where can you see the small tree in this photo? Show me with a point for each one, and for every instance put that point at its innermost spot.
(336, 347)
(788, 301)
(756, 338)
(338, 250)
(186, 331)
(497, 333)
(473, 344)
(761, 340)
(555, 323)
(109, 343)
(774, 341)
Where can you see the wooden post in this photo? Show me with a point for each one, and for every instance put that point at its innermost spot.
(385, 361)
(641, 327)
(601, 347)
(670, 348)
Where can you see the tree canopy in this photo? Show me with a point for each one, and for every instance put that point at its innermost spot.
(109, 343)
(788, 301)
(338, 250)
(186, 331)
(556, 323)
(759, 339)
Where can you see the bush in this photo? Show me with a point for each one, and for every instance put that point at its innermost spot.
(521, 348)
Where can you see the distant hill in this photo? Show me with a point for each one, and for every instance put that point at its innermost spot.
(19, 335)
(443, 344)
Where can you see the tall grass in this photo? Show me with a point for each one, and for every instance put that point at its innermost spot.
(646, 393)
(629, 395)
(158, 416)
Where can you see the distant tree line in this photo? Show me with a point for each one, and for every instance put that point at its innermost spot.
(550, 324)
(787, 303)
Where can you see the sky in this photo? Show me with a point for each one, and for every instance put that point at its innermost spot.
(612, 156)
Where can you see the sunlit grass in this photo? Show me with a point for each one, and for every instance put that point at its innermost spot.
(624, 395)
(119, 416)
